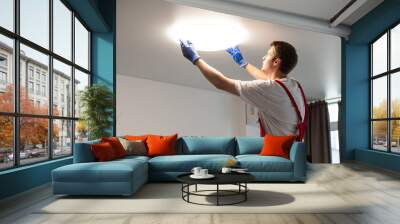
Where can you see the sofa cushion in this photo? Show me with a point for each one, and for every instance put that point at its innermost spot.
(135, 147)
(111, 171)
(103, 152)
(257, 163)
(83, 152)
(185, 163)
(197, 145)
(161, 145)
(249, 145)
(277, 145)
(116, 145)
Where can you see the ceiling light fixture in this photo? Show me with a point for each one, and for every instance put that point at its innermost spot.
(212, 35)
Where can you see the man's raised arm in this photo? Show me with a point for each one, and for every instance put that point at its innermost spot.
(251, 69)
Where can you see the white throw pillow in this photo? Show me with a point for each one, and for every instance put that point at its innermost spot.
(137, 148)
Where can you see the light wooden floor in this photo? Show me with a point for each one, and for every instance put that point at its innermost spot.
(378, 188)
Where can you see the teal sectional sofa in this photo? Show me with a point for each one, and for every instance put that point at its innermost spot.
(125, 176)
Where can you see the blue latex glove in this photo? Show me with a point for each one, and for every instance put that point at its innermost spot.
(188, 51)
(237, 56)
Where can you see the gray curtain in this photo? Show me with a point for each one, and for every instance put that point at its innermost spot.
(317, 138)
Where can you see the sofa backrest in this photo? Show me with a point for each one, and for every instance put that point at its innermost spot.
(249, 145)
(194, 145)
(190, 145)
(83, 152)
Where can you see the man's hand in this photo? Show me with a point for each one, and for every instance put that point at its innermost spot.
(237, 56)
(188, 51)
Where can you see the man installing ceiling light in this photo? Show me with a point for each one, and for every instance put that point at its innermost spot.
(279, 99)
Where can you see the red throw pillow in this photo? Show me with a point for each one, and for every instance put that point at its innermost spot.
(161, 145)
(277, 146)
(116, 145)
(103, 152)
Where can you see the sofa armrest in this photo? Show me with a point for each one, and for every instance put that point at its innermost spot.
(298, 157)
(83, 152)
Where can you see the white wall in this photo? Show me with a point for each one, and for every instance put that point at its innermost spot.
(146, 106)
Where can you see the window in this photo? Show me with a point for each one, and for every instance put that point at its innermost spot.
(38, 74)
(30, 72)
(37, 89)
(7, 75)
(44, 91)
(30, 87)
(62, 74)
(3, 61)
(7, 14)
(45, 120)
(385, 94)
(62, 32)
(34, 21)
(3, 78)
(81, 45)
(333, 108)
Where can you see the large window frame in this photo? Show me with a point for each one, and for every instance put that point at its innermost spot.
(388, 74)
(17, 114)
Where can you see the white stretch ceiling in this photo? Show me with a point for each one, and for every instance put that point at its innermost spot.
(145, 51)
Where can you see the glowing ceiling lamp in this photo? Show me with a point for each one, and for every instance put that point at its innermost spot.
(212, 35)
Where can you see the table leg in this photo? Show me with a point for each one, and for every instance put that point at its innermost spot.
(217, 194)
(196, 188)
(188, 190)
(245, 193)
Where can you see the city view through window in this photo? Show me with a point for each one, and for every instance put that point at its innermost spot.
(39, 113)
(385, 91)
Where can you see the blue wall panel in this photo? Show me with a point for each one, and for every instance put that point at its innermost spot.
(356, 85)
(24, 178)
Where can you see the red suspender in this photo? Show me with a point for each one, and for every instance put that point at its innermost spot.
(301, 124)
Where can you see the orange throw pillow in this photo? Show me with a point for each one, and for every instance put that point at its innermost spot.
(277, 146)
(103, 152)
(161, 145)
(136, 137)
(116, 145)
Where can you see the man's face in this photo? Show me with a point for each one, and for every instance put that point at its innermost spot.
(269, 60)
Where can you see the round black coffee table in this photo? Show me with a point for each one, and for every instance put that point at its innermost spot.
(238, 179)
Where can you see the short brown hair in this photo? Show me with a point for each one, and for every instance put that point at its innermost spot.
(287, 53)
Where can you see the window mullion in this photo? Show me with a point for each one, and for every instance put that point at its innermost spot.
(16, 85)
(73, 82)
(371, 89)
(389, 95)
(50, 81)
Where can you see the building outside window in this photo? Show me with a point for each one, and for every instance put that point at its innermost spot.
(60, 127)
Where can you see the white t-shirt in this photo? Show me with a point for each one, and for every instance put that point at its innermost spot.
(276, 111)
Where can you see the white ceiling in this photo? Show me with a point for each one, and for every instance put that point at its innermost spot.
(320, 9)
(144, 51)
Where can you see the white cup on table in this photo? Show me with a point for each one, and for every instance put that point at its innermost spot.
(203, 172)
(196, 171)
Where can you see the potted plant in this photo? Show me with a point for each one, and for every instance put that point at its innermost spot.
(96, 102)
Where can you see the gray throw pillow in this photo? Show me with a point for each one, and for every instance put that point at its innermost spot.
(137, 148)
